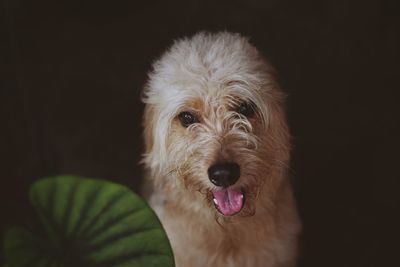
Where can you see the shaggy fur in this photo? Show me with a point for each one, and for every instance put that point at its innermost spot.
(210, 75)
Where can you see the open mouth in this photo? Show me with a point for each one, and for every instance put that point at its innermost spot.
(228, 201)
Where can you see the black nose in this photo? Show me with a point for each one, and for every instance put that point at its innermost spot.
(224, 174)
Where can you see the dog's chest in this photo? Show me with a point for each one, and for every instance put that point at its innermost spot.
(197, 241)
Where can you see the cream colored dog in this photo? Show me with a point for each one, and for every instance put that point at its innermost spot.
(217, 153)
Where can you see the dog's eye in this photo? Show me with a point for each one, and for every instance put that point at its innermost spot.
(246, 109)
(187, 118)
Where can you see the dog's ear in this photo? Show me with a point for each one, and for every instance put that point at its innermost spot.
(148, 128)
(278, 129)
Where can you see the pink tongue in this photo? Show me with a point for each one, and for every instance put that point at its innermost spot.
(228, 201)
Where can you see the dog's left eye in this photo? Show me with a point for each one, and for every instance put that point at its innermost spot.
(246, 109)
(187, 118)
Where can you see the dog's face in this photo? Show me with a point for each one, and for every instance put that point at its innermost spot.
(215, 132)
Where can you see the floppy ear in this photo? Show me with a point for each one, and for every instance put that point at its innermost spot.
(278, 130)
(148, 128)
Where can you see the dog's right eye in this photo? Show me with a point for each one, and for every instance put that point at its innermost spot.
(187, 118)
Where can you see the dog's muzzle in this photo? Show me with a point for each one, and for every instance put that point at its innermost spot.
(228, 200)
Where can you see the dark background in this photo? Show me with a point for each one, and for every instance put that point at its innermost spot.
(72, 71)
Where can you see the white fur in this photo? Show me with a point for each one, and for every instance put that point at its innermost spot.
(210, 75)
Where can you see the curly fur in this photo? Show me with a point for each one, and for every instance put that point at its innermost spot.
(210, 75)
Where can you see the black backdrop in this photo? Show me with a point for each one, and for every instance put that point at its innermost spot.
(71, 74)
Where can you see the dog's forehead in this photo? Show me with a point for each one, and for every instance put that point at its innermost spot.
(204, 94)
(209, 71)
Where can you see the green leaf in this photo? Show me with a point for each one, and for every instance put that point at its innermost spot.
(89, 223)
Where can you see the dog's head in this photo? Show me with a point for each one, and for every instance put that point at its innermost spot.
(215, 132)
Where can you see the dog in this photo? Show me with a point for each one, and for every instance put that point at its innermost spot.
(216, 155)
